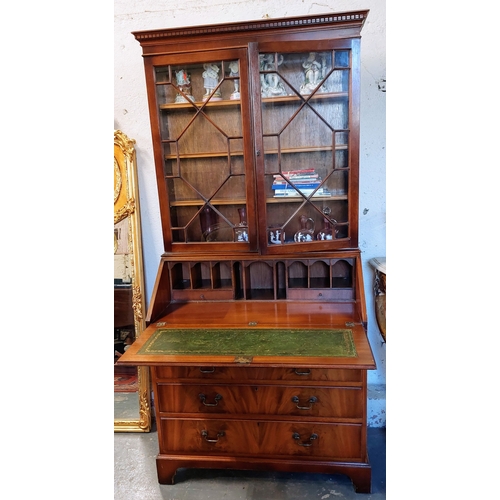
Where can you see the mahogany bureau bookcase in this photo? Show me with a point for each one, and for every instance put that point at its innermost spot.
(257, 330)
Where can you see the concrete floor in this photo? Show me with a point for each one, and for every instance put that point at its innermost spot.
(135, 477)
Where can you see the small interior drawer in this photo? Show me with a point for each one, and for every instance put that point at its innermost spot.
(320, 294)
(202, 294)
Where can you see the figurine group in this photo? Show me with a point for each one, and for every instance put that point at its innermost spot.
(314, 73)
(211, 83)
(301, 236)
(315, 70)
(329, 231)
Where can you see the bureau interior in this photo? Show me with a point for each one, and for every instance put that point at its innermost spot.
(264, 279)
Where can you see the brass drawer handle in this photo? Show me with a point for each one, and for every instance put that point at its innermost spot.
(296, 436)
(204, 434)
(218, 397)
(298, 372)
(306, 372)
(207, 370)
(312, 400)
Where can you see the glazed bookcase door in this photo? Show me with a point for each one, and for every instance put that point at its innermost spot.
(308, 171)
(203, 150)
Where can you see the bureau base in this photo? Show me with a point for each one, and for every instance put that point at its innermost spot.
(359, 473)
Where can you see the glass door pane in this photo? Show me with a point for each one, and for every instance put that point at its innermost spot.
(305, 125)
(203, 150)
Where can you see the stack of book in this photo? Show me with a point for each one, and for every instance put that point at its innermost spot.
(305, 180)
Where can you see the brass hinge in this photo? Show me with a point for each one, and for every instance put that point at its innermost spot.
(243, 359)
(351, 324)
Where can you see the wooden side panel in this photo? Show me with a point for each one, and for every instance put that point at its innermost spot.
(161, 296)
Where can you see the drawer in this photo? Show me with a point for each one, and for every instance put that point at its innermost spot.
(333, 442)
(261, 399)
(226, 373)
(320, 294)
(202, 294)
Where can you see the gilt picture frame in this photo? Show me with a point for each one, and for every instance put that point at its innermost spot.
(129, 273)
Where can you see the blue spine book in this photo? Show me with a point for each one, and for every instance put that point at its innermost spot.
(298, 185)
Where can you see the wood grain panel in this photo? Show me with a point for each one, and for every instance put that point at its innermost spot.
(261, 399)
(258, 438)
(244, 373)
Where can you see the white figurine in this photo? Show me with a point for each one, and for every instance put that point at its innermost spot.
(184, 84)
(275, 237)
(210, 81)
(271, 85)
(315, 71)
(235, 71)
(242, 236)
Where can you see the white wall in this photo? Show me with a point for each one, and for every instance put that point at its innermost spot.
(131, 115)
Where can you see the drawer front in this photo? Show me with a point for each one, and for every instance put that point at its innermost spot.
(194, 295)
(262, 399)
(172, 373)
(257, 438)
(320, 294)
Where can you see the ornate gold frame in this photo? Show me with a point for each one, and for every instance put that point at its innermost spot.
(126, 203)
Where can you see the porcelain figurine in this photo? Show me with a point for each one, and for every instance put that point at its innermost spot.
(315, 72)
(271, 85)
(276, 236)
(235, 71)
(210, 82)
(184, 84)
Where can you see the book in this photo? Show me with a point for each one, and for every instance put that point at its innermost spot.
(296, 194)
(301, 171)
(303, 180)
(296, 176)
(293, 192)
(287, 186)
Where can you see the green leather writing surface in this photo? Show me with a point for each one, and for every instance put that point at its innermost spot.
(248, 342)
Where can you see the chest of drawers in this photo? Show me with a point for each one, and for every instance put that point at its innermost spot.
(288, 411)
(307, 419)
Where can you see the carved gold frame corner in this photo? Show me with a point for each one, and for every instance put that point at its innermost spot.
(126, 204)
